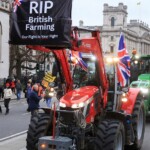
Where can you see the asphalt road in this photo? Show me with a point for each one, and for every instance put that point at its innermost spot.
(146, 142)
(17, 121)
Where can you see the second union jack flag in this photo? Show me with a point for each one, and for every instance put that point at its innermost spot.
(76, 58)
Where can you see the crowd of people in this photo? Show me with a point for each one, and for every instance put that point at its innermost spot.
(33, 94)
(6, 92)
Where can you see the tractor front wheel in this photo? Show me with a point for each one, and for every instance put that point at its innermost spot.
(138, 120)
(31, 133)
(110, 135)
(44, 127)
(40, 125)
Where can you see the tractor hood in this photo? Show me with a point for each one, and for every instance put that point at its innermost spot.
(80, 95)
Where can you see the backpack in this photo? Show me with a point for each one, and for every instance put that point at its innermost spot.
(7, 93)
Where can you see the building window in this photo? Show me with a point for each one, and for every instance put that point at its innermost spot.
(112, 22)
(48, 67)
(112, 38)
(0, 41)
(111, 49)
(123, 21)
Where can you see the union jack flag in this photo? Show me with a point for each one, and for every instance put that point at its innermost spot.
(76, 58)
(16, 4)
(123, 66)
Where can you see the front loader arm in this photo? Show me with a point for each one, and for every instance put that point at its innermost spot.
(63, 61)
(62, 57)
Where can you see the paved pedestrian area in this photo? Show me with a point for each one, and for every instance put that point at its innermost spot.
(16, 143)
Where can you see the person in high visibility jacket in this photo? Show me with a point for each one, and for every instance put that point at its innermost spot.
(12, 86)
(40, 90)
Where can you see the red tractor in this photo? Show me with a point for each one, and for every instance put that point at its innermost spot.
(90, 116)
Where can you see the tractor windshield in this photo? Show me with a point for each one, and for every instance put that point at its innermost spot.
(84, 72)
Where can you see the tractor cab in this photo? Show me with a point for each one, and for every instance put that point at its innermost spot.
(85, 74)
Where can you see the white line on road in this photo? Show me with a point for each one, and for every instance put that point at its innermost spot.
(12, 136)
(26, 113)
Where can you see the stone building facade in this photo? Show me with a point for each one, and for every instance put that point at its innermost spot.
(4, 38)
(136, 33)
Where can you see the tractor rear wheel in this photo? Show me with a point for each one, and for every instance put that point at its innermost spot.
(138, 120)
(110, 135)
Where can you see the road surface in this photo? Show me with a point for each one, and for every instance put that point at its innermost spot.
(13, 127)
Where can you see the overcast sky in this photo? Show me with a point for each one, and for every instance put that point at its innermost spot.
(91, 11)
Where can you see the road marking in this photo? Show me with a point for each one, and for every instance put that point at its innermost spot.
(12, 136)
(23, 148)
(26, 113)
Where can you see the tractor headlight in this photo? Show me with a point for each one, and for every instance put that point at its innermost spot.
(124, 98)
(52, 89)
(74, 106)
(144, 90)
(43, 146)
(80, 105)
(62, 104)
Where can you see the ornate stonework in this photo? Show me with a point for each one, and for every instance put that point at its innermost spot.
(136, 32)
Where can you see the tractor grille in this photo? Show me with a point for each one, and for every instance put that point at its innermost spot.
(67, 117)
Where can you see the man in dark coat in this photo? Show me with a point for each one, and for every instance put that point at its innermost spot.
(34, 100)
(18, 89)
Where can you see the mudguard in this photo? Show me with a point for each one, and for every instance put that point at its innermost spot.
(132, 96)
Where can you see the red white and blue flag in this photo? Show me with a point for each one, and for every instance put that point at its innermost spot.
(16, 4)
(76, 58)
(123, 66)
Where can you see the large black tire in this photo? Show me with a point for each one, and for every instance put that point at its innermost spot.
(44, 127)
(31, 133)
(110, 135)
(40, 125)
(138, 120)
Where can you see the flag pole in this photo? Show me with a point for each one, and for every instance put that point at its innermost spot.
(115, 92)
(116, 80)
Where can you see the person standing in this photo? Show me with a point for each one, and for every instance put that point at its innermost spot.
(12, 85)
(48, 97)
(28, 91)
(1, 96)
(1, 92)
(0, 109)
(34, 100)
(7, 97)
(18, 89)
(40, 90)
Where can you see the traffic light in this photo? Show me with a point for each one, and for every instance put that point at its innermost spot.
(37, 67)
